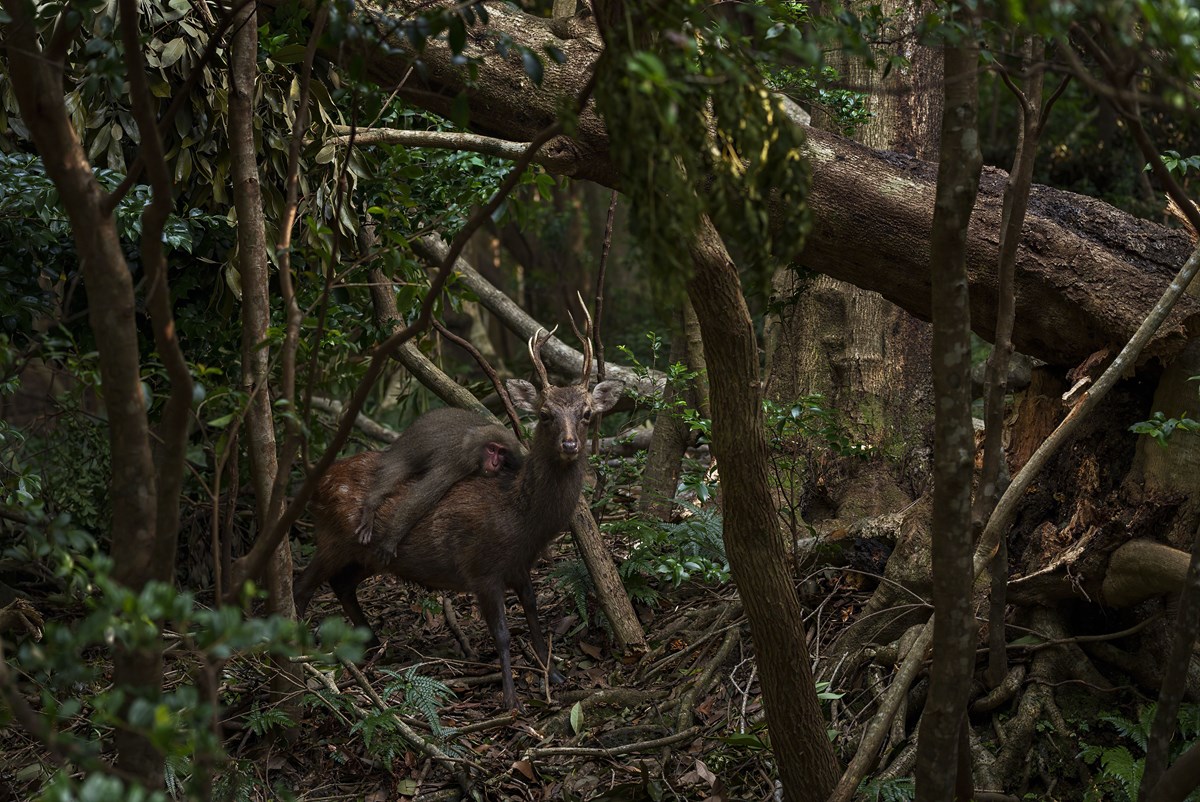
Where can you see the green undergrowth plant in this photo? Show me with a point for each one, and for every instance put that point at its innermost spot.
(897, 789)
(408, 693)
(661, 554)
(421, 694)
(808, 439)
(66, 671)
(1160, 427)
(1119, 765)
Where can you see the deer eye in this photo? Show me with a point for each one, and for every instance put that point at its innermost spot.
(586, 416)
(544, 416)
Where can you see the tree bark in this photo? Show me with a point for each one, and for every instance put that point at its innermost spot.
(1086, 274)
(941, 733)
(757, 558)
(664, 457)
(254, 270)
(135, 548)
(1016, 196)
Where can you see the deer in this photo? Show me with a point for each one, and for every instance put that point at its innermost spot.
(486, 533)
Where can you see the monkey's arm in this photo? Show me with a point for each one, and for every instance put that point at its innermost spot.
(394, 468)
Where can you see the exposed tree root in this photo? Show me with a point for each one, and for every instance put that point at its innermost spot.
(1049, 666)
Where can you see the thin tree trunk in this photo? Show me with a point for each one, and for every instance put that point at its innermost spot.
(1174, 686)
(1016, 202)
(252, 260)
(136, 552)
(954, 622)
(256, 317)
(667, 446)
(757, 557)
(695, 359)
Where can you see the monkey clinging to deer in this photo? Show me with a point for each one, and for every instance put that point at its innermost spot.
(484, 535)
(440, 447)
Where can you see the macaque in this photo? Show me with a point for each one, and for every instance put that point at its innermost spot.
(440, 447)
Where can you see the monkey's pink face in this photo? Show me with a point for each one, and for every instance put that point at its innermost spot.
(494, 455)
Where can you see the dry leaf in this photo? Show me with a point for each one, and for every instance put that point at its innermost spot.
(526, 768)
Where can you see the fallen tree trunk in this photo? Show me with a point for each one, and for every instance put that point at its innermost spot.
(1086, 271)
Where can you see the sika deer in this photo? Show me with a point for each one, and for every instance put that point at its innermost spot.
(485, 534)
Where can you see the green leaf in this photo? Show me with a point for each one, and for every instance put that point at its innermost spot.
(325, 154)
(577, 718)
(173, 51)
(457, 35)
(289, 54)
(460, 110)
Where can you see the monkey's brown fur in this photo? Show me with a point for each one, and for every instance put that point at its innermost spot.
(439, 448)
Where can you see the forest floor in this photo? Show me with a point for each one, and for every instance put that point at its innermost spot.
(683, 722)
(415, 720)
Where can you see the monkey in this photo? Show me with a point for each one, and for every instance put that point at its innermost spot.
(442, 446)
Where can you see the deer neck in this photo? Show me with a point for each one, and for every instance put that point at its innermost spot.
(549, 489)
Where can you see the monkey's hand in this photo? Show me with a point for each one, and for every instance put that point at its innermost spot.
(364, 529)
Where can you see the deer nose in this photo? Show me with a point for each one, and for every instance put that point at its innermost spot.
(570, 446)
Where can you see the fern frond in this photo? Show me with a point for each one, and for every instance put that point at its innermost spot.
(262, 720)
(422, 694)
(1121, 766)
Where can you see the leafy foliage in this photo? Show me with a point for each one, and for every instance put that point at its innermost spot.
(900, 789)
(81, 705)
(1120, 769)
(263, 720)
(698, 110)
(661, 553)
(1178, 164)
(422, 694)
(1160, 427)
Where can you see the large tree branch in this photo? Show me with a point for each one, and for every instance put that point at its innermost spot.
(1086, 272)
(562, 357)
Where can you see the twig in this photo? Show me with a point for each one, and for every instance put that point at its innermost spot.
(688, 701)
(481, 726)
(486, 367)
(614, 751)
(597, 339)
(368, 426)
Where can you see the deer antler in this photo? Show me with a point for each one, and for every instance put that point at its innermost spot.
(535, 346)
(585, 338)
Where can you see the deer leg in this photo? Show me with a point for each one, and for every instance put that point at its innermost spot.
(528, 599)
(310, 579)
(491, 603)
(345, 584)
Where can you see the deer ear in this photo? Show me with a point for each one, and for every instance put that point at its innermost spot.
(606, 394)
(524, 394)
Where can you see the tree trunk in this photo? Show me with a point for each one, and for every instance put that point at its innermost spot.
(37, 83)
(254, 270)
(868, 357)
(668, 445)
(941, 731)
(805, 757)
